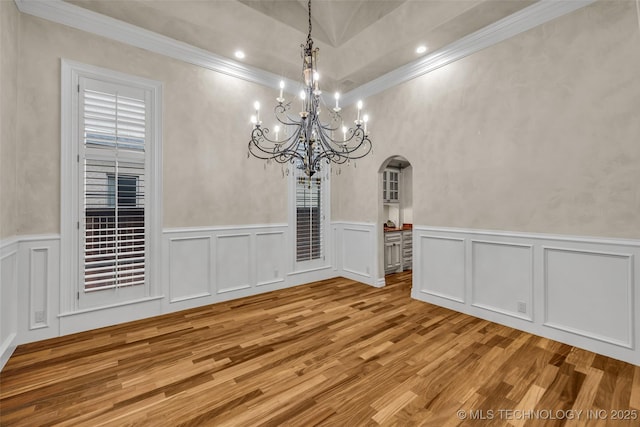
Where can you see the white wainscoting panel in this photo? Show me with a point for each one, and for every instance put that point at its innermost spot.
(199, 266)
(590, 293)
(356, 252)
(233, 269)
(223, 263)
(189, 268)
(8, 299)
(269, 257)
(502, 277)
(357, 248)
(38, 287)
(583, 291)
(439, 262)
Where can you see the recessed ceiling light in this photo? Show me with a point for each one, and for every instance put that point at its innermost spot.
(421, 49)
(239, 54)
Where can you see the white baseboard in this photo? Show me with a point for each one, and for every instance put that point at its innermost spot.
(7, 348)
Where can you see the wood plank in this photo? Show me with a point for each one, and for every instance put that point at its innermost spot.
(334, 352)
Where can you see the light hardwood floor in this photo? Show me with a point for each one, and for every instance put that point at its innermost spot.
(332, 353)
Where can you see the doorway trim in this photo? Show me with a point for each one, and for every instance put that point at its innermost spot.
(381, 219)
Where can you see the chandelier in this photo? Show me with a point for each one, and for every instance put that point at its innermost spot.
(304, 140)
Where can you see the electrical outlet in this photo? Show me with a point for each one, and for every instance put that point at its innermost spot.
(39, 316)
(522, 307)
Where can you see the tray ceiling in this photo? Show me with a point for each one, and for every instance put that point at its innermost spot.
(359, 40)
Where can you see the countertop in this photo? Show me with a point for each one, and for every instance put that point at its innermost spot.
(404, 227)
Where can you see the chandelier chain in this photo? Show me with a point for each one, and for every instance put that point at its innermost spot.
(309, 40)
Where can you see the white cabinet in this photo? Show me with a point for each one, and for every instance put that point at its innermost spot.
(407, 249)
(391, 186)
(393, 251)
(398, 251)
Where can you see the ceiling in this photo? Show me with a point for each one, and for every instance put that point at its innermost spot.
(359, 40)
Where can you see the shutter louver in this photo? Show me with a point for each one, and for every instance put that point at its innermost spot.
(114, 190)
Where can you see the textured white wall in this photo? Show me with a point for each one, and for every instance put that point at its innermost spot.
(207, 177)
(538, 133)
(9, 33)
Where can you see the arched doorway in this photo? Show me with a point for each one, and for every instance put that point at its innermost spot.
(395, 215)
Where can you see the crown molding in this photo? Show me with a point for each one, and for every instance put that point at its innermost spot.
(82, 19)
(85, 20)
(525, 19)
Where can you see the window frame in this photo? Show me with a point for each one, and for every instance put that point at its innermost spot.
(71, 174)
(325, 187)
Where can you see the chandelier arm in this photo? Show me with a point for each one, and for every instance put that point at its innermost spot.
(328, 128)
(258, 137)
(329, 153)
(280, 112)
(259, 150)
(362, 140)
(355, 135)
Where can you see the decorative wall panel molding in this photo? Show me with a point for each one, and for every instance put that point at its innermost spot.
(233, 263)
(200, 265)
(590, 293)
(189, 268)
(502, 277)
(38, 287)
(357, 249)
(269, 257)
(583, 291)
(440, 263)
(356, 252)
(241, 261)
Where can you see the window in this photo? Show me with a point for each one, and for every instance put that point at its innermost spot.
(128, 190)
(114, 156)
(309, 202)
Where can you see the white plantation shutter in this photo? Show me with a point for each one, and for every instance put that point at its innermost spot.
(309, 216)
(112, 120)
(114, 233)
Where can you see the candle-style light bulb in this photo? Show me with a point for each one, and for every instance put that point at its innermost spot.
(254, 120)
(359, 109)
(344, 133)
(365, 119)
(280, 99)
(316, 78)
(302, 97)
(276, 128)
(256, 105)
(337, 97)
